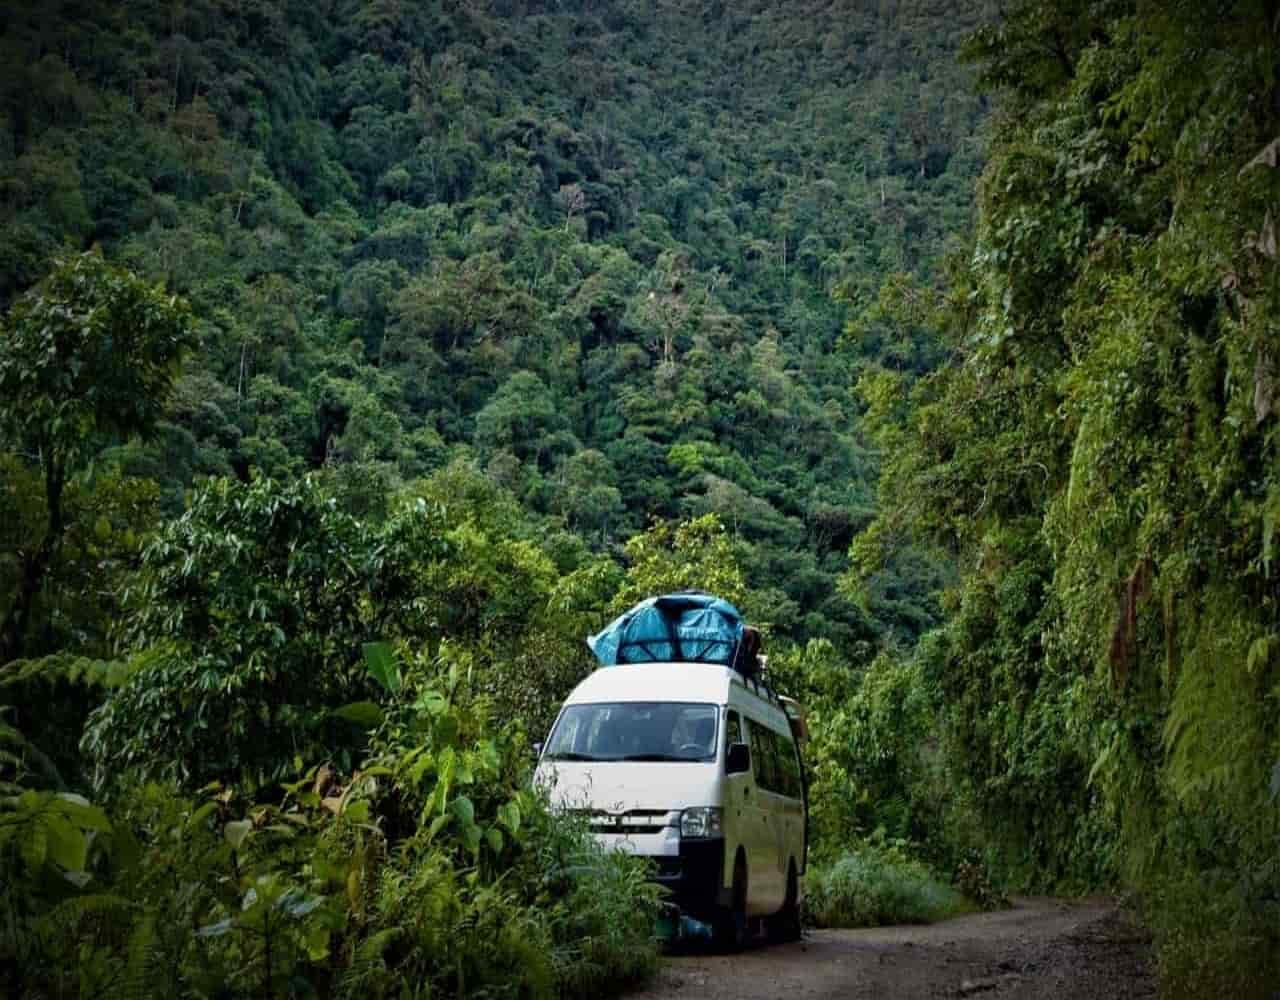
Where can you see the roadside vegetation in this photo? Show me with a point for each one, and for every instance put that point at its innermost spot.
(430, 868)
(871, 885)
(356, 820)
(1098, 458)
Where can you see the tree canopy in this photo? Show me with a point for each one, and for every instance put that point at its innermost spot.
(87, 357)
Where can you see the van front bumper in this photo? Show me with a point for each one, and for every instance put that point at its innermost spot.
(690, 869)
(694, 877)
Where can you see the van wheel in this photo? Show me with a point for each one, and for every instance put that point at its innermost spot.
(785, 924)
(730, 927)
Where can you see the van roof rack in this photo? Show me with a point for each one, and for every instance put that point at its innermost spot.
(688, 626)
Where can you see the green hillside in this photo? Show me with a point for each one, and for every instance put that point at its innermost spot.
(605, 252)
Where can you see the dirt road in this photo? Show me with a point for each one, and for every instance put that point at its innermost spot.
(1038, 949)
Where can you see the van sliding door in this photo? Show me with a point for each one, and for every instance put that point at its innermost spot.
(768, 868)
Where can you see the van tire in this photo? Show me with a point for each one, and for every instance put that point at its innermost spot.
(729, 929)
(785, 924)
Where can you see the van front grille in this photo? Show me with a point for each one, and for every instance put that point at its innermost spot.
(637, 821)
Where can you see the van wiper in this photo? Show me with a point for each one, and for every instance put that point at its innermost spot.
(571, 755)
(655, 757)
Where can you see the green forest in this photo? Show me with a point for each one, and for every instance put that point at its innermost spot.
(360, 358)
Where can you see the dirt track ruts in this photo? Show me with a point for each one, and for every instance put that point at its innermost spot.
(1038, 948)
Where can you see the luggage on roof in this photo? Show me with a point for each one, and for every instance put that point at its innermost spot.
(686, 627)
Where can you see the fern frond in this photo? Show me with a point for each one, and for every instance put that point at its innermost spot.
(69, 918)
(368, 965)
(28, 756)
(142, 956)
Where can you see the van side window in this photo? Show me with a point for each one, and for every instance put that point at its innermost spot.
(763, 761)
(789, 766)
(732, 729)
(779, 778)
(757, 753)
(774, 761)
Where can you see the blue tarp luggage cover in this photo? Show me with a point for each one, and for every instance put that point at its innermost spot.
(689, 627)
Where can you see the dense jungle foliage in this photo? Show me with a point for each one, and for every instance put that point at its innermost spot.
(359, 359)
(1099, 457)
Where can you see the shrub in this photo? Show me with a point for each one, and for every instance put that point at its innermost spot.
(872, 885)
(973, 879)
(433, 870)
(1218, 934)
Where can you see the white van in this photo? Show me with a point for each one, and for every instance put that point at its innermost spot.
(697, 768)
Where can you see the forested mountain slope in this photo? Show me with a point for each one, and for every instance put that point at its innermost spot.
(605, 250)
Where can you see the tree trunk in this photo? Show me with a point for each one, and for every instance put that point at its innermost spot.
(34, 568)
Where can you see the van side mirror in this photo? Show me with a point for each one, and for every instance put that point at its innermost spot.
(537, 748)
(738, 760)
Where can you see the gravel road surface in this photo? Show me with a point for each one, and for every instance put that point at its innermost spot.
(1037, 949)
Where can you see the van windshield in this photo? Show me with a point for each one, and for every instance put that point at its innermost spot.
(635, 731)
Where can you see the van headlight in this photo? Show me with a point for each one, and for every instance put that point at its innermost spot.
(701, 821)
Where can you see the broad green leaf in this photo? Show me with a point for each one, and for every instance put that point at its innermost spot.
(488, 755)
(494, 836)
(419, 767)
(80, 811)
(316, 943)
(365, 714)
(436, 826)
(202, 814)
(509, 816)
(297, 905)
(236, 831)
(465, 810)
(34, 846)
(358, 811)
(380, 661)
(78, 878)
(445, 770)
(431, 702)
(67, 846)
